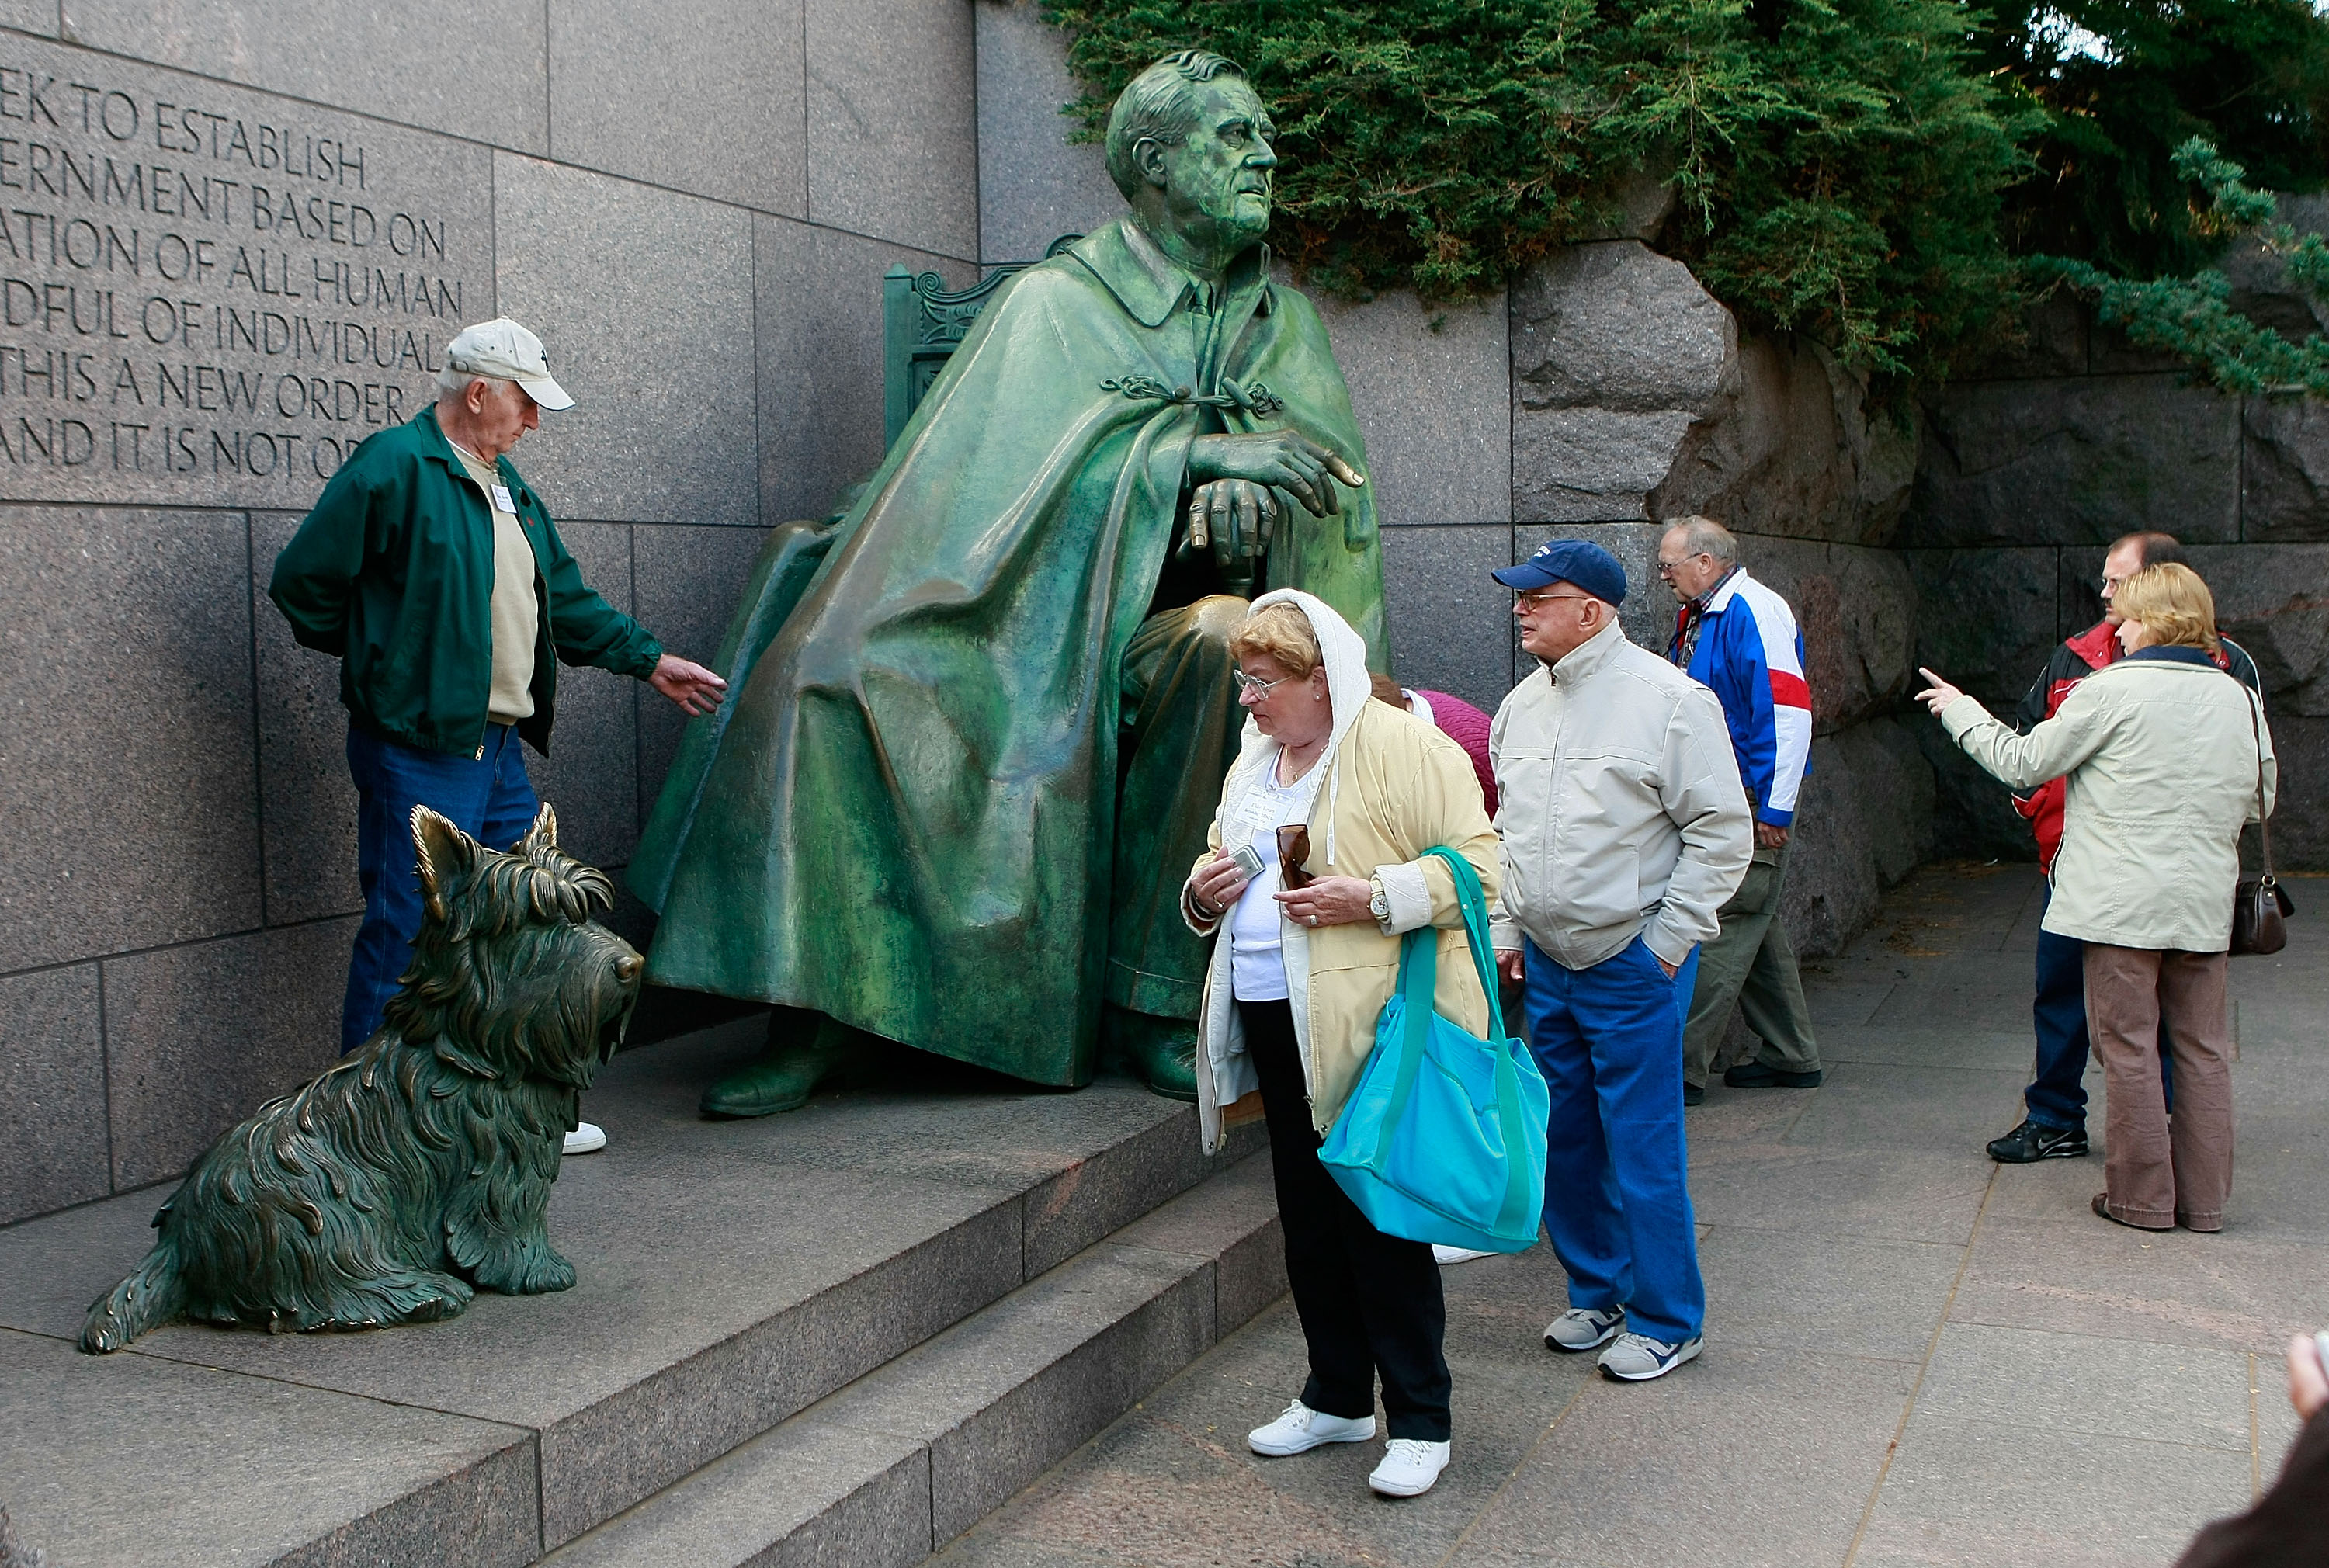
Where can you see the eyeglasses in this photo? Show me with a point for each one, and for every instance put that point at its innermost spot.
(1260, 688)
(1520, 599)
(1668, 569)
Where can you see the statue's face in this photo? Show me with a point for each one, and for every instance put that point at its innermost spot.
(1217, 181)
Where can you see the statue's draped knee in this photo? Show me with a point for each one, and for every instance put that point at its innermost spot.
(1215, 618)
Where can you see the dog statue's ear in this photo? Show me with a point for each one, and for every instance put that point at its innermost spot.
(541, 837)
(443, 852)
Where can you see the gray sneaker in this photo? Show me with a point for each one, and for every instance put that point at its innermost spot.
(1637, 1357)
(1582, 1329)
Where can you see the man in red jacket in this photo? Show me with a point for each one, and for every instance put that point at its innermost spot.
(2054, 1125)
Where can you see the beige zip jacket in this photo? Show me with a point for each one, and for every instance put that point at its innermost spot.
(1393, 787)
(1620, 804)
(2160, 759)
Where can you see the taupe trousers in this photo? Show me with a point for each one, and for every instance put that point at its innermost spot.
(1751, 965)
(2161, 1170)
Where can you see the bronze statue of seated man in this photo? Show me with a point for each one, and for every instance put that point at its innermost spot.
(961, 774)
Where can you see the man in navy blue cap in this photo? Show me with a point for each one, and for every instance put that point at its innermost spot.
(1625, 828)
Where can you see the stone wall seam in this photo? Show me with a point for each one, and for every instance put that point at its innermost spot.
(549, 96)
(258, 753)
(115, 955)
(105, 1069)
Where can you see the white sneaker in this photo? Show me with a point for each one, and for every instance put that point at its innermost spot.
(1637, 1357)
(1408, 1468)
(1443, 1257)
(1302, 1429)
(1583, 1328)
(589, 1138)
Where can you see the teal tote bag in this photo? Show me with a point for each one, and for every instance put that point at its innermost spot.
(1443, 1139)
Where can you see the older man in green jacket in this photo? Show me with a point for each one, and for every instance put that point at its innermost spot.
(433, 573)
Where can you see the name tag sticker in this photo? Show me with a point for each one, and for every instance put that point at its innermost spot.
(502, 501)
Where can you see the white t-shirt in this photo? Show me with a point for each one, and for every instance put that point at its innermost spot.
(1256, 966)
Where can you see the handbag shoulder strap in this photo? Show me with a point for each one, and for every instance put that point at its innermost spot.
(2256, 728)
(1474, 904)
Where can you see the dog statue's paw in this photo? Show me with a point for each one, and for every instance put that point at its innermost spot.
(513, 1265)
(418, 1297)
(539, 1272)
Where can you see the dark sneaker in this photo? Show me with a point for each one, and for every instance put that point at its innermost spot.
(1755, 1075)
(1692, 1094)
(2034, 1141)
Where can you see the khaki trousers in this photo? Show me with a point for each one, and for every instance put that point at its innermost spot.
(2162, 1170)
(1751, 966)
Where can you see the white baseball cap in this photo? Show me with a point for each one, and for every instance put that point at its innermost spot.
(506, 352)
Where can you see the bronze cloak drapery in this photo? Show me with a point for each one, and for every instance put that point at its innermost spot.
(904, 813)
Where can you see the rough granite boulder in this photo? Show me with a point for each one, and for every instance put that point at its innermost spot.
(1790, 446)
(2076, 460)
(2285, 464)
(1615, 351)
(1865, 821)
(2274, 601)
(1857, 608)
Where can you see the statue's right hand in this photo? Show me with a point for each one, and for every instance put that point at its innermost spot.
(1233, 518)
(1287, 459)
(1217, 885)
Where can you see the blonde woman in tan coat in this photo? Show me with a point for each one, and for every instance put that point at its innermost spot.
(1298, 978)
(2166, 758)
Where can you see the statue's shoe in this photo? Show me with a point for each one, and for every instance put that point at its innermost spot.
(781, 1080)
(1162, 1051)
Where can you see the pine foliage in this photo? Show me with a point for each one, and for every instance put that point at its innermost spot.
(1878, 175)
(1839, 162)
(2193, 317)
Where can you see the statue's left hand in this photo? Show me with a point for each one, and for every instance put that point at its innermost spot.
(1233, 517)
(693, 688)
(1287, 459)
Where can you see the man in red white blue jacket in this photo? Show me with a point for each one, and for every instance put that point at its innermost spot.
(1737, 637)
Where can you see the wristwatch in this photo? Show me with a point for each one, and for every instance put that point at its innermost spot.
(1378, 901)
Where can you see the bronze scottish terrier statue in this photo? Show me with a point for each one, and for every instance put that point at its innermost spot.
(417, 1172)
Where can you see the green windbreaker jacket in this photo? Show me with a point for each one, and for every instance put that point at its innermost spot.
(392, 572)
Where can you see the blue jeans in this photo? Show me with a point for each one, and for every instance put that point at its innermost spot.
(2057, 1096)
(490, 798)
(1617, 1192)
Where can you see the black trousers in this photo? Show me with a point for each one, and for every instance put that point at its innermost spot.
(1369, 1303)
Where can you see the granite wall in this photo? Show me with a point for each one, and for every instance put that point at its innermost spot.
(2029, 471)
(238, 234)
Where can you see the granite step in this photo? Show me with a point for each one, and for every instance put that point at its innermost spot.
(890, 1469)
(733, 1276)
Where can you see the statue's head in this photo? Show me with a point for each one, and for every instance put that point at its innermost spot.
(1189, 145)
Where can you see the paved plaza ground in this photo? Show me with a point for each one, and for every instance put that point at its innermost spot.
(1913, 1357)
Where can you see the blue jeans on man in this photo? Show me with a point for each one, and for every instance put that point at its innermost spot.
(487, 797)
(2057, 1096)
(1608, 1040)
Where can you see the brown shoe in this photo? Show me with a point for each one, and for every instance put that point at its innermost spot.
(2102, 1207)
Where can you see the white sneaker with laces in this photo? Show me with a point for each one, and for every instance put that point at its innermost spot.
(1637, 1357)
(1583, 1328)
(1443, 1257)
(1301, 1429)
(1408, 1468)
(589, 1138)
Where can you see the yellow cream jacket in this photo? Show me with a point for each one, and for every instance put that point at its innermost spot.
(1394, 787)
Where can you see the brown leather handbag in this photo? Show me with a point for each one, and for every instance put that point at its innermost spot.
(2260, 906)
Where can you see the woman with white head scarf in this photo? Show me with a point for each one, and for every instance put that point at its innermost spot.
(1293, 992)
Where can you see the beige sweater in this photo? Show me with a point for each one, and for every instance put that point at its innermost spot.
(2161, 760)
